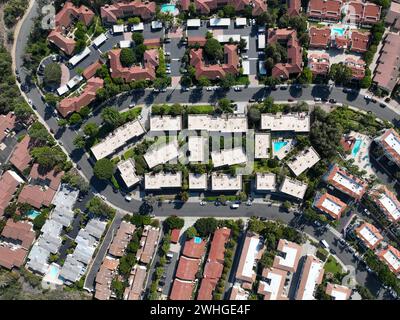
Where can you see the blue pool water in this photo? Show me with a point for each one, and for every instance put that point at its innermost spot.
(32, 214)
(356, 147)
(278, 145)
(338, 31)
(53, 272)
(168, 8)
(197, 240)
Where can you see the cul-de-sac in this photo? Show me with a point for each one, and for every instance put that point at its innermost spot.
(200, 150)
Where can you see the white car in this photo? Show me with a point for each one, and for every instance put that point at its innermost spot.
(168, 71)
(128, 198)
(156, 90)
(237, 89)
(245, 57)
(367, 97)
(203, 203)
(317, 99)
(234, 206)
(209, 89)
(30, 101)
(103, 197)
(163, 90)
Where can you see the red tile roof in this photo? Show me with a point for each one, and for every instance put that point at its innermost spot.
(359, 41)
(217, 249)
(9, 183)
(294, 7)
(319, 63)
(111, 13)
(319, 200)
(357, 67)
(20, 157)
(335, 169)
(213, 269)
(36, 196)
(294, 64)
(135, 72)
(283, 245)
(175, 233)
(194, 250)
(197, 39)
(20, 232)
(324, 9)
(331, 287)
(63, 20)
(75, 104)
(376, 195)
(206, 6)
(152, 42)
(184, 4)
(51, 178)
(121, 239)
(11, 257)
(389, 149)
(215, 71)
(387, 68)
(91, 70)
(187, 268)
(365, 13)
(181, 290)
(6, 122)
(393, 16)
(206, 289)
(320, 37)
(396, 253)
(150, 245)
(373, 230)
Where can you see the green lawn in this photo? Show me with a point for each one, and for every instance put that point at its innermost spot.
(332, 266)
(128, 154)
(203, 109)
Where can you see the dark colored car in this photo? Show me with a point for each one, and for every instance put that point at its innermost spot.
(332, 100)
(332, 251)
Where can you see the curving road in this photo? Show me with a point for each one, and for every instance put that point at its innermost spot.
(66, 135)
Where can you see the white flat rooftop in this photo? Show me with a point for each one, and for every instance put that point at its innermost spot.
(217, 124)
(392, 259)
(220, 22)
(162, 180)
(303, 161)
(266, 181)
(128, 172)
(274, 285)
(313, 274)
(294, 188)
(160, 154)
(241, 22)
(368, 235)
(117, 139)
(251, 256)
(228, 157)
(225, 182)
(198, 148)
(296, 122)
(197, 181)
(165, 123)
(290, 257)
(193, 23)
(331, 206)
(348, 183)
(390, 206)
(262, 145)
(393, 142)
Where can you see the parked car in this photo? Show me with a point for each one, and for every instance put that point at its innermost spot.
(332, 251)
(284, 87)
(332, 100)
(203, 203)
(217, 203)
(237, 89)
(382, 105)
(209, 89)
(317, 223)
(290, 100)
(132, 105)
(252, 100)
(316, 99)
(234, 206)
(128, 198)
(168, 71)
(367, 97)
(245, 57)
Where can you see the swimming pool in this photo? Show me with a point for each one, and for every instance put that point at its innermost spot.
(53, 271)
(168, 8)
(197, 240)
(278, 145)
(356, 147)
(32, 214)
(338, 31)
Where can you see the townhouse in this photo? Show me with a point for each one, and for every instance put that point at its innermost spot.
(9, 183)
(110, 13)
(369, 235)
(294, 63)
(311, 276)
(387, 202)
(391, 256)
(390, 143)
(329, 204)
(338, 292)
(345, 182)
(61, 36)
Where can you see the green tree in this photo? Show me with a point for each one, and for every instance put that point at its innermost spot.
(213, 50)
(254, 115)
(22, 112)
(48, 157)
(79, 142)
(99, 208)
(229, 11)
(206, 226)
(39, 133)
(39, 221)
(225, 105)
(52, 75)
(91, 129)
(306, 76)
(228, 81)
(203, 81)
(51, 99)
(104, 169)
(112, 117)
(118, 288)
(340, 73)
(191, 232)
(138, 38)
(127, 57)
(174, 222)
(75, 118)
